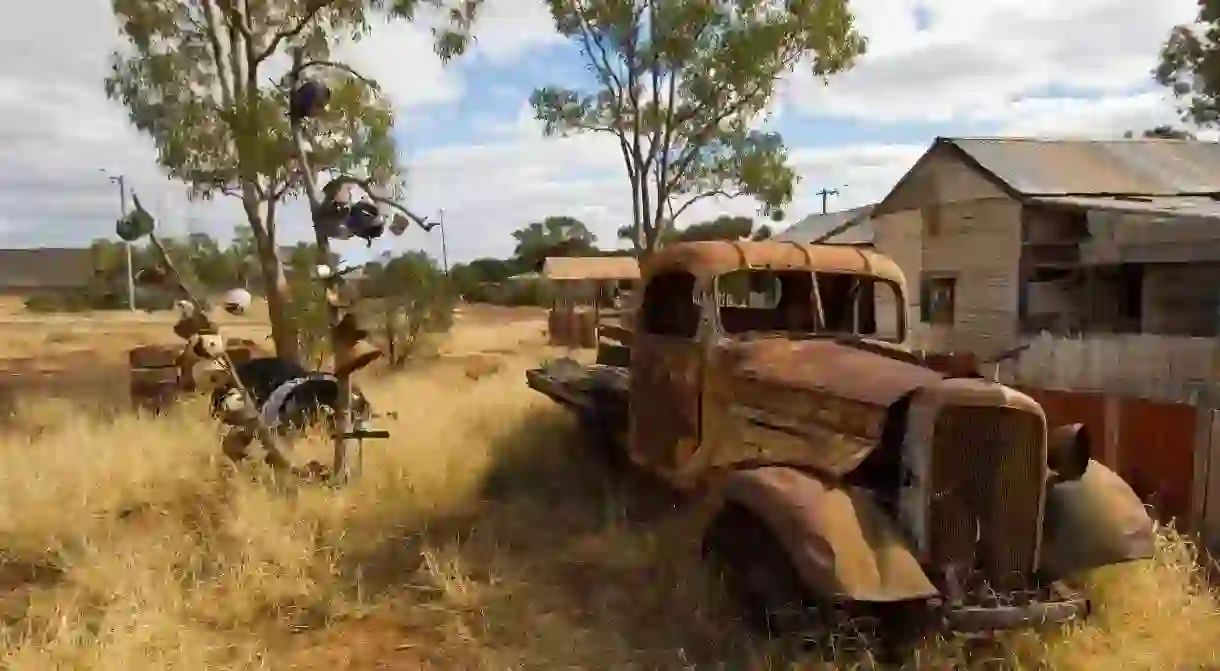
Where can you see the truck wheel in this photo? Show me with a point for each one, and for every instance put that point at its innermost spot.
(773, 601)
(757, 575)
(595, 430)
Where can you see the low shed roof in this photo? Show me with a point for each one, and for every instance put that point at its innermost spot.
(591, 268)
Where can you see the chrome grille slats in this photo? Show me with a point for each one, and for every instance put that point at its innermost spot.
(987, 486)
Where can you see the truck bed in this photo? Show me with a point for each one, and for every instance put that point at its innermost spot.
(598, 393)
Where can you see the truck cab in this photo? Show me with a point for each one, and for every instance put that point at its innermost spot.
(709, 309)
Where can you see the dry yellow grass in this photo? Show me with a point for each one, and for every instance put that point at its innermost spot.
(105, 335)
(480, 537)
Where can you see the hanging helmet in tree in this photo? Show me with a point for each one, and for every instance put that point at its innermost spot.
(308, 100)
(364, 221)
(237, 301)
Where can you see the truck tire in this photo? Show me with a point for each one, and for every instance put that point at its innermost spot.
(759, 580)
(764, 586)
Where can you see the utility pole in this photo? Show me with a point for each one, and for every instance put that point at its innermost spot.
(131, 273)
(826, 193)
(440, 218)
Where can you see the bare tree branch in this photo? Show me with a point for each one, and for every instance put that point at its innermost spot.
(213, 34)
(310, 14)
(700, 196)
(371, 83)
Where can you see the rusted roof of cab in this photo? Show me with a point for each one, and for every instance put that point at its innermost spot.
(716, 257)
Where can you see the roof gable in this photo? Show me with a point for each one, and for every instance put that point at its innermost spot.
(1144, 167)
(1029, 167)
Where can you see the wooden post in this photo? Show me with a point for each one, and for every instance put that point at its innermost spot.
(1113, 414)
(344, 447)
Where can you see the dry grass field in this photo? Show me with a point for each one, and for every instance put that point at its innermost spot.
(482, 536)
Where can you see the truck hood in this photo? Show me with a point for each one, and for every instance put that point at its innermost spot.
(815, 404)
(826, 367)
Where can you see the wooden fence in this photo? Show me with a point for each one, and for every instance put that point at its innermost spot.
(1146, 366)
(1169, 452)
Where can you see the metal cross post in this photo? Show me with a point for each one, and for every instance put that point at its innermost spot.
(826, 193)
(440, 219)
(131, 281)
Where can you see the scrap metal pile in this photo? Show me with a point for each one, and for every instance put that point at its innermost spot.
(262, 398)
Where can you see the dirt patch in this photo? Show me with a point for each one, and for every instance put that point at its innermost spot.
(373, 642)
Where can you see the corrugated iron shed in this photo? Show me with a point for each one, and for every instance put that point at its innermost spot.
(1150, 167)
(859, 228)
(591, 268)
(46, 268)
(1201, 207)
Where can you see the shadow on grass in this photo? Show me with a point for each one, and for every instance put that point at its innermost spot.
(563, 562)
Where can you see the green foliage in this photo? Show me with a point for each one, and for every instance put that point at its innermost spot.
(468, 279)
(308, 308)
(681, 85)
(417, 300)
(196, 77)
(1163, 132)
(723, 227)
(553, 236)
(1190, 66)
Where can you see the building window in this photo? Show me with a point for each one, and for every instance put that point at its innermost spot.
(936, 300)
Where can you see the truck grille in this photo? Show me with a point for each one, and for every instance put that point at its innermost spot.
(988, 477)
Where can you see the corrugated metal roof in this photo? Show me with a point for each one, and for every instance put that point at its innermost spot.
(591, 268)
(1150, 167)
(816, 225)
(1179, 206)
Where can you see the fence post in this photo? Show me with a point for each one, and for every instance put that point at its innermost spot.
(1209, 528)
(1112, 410)
(1205, 417)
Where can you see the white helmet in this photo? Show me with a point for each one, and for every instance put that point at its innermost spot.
(237, 301)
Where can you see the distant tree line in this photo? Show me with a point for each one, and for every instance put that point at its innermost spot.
(481, 280)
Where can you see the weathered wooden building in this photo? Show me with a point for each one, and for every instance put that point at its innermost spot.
(1002, 239)
(46, 270)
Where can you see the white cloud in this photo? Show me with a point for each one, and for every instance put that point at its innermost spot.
(976, 59)
(1008, 65)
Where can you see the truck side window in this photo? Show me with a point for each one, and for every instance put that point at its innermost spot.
(669, 308)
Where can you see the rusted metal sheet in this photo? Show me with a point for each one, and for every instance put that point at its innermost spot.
(824, 366)
(666, 389)
(1082, 167)
(1154, 446)
(1095, 521)
(1066, 407)
(716, 257)
(1158, 446)
(840, 541)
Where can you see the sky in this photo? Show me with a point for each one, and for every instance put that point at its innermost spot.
(1079, 68)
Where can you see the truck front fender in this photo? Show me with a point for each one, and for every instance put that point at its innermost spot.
(841, 543)
(1092, 522)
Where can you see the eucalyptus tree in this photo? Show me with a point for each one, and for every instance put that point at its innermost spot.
(201, 78)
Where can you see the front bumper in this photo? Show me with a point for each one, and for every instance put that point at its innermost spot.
(979, 619)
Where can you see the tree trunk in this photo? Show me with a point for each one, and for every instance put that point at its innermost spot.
(279, 304)
(279, 307)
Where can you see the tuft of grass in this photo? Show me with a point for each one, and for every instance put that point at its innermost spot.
(483, 535)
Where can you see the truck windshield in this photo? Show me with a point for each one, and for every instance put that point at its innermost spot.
(759, 302)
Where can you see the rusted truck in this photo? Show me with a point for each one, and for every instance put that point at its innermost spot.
(847, 474)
